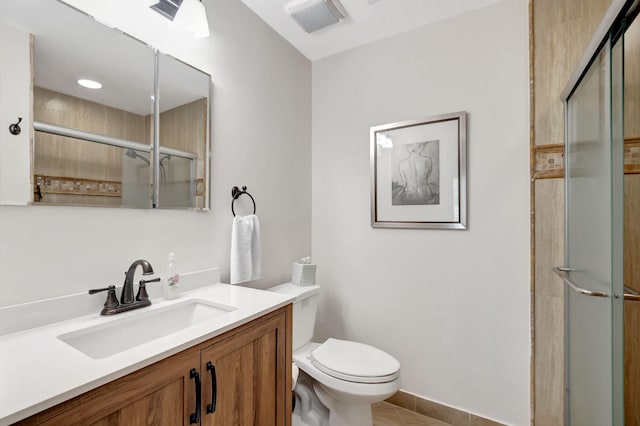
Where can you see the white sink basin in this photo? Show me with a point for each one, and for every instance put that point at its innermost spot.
(101, 341)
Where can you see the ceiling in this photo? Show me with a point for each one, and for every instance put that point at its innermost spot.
(367, 21)
(56, 27)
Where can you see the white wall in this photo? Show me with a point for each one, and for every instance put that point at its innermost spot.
(261, 115)
(452, 306)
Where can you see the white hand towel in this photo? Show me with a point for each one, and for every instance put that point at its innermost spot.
(245, 249)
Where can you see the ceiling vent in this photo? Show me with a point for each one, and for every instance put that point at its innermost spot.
(313, 15)
(167, 8)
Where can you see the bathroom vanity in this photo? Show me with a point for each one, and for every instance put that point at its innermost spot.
(233, 367)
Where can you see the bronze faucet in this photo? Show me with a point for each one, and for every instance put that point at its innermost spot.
(127, 301)
(127, 289)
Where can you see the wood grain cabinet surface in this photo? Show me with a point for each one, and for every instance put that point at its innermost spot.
(242, 377)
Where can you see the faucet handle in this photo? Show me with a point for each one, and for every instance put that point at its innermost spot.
(142, 289)
(112, 300)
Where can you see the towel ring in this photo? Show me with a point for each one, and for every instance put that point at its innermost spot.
(236, 193)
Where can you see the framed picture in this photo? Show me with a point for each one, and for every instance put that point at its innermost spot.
(418, 173)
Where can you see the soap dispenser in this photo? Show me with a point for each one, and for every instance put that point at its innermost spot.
(171, 286)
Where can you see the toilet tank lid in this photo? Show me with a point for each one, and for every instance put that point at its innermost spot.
(299, 292)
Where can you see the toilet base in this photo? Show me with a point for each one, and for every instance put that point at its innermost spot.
(315, 407)
(297, 421)
(341, 414)
(308, 411)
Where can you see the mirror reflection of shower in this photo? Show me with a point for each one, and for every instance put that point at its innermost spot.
(163, 171)
(132, 153)
(136, 178)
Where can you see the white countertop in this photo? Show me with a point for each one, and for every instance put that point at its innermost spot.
(38, 370)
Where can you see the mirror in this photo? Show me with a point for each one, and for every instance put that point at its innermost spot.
(112, 146)
(184, 109)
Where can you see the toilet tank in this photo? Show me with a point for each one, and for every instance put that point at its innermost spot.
(305, 306)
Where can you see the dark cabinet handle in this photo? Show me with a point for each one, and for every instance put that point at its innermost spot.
(211, 408)
(195, 417)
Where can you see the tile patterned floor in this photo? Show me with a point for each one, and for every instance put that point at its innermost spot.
(385, 414)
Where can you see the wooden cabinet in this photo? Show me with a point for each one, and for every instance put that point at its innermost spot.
(242, 377)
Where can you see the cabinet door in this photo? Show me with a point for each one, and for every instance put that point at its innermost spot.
(163, 407)
(244, 377)
(162, 394)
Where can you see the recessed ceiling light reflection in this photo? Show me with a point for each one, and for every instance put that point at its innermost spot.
(89, 84)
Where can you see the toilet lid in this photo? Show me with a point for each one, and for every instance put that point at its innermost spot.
(355, 362)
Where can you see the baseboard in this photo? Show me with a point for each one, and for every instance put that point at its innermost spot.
(450, 415)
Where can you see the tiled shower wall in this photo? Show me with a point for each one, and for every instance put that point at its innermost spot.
(560, 32)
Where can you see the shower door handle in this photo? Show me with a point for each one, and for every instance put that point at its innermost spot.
(564, 274)
(631, 295)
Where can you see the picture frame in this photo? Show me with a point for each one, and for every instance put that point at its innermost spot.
(419, 173)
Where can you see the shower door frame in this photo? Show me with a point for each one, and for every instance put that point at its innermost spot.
(606, 39)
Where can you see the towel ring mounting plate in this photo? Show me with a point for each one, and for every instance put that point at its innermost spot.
(236, 193)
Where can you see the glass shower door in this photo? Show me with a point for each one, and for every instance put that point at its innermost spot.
(594, 339)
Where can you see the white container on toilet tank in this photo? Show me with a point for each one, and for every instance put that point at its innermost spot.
(303, 272)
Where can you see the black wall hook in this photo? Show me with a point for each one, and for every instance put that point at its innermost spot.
(236, 192)
(15, 128)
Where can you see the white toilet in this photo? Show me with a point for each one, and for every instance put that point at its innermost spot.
(339, 380)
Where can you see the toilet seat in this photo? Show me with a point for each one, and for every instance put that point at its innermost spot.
(355, 362)
(360, 391)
